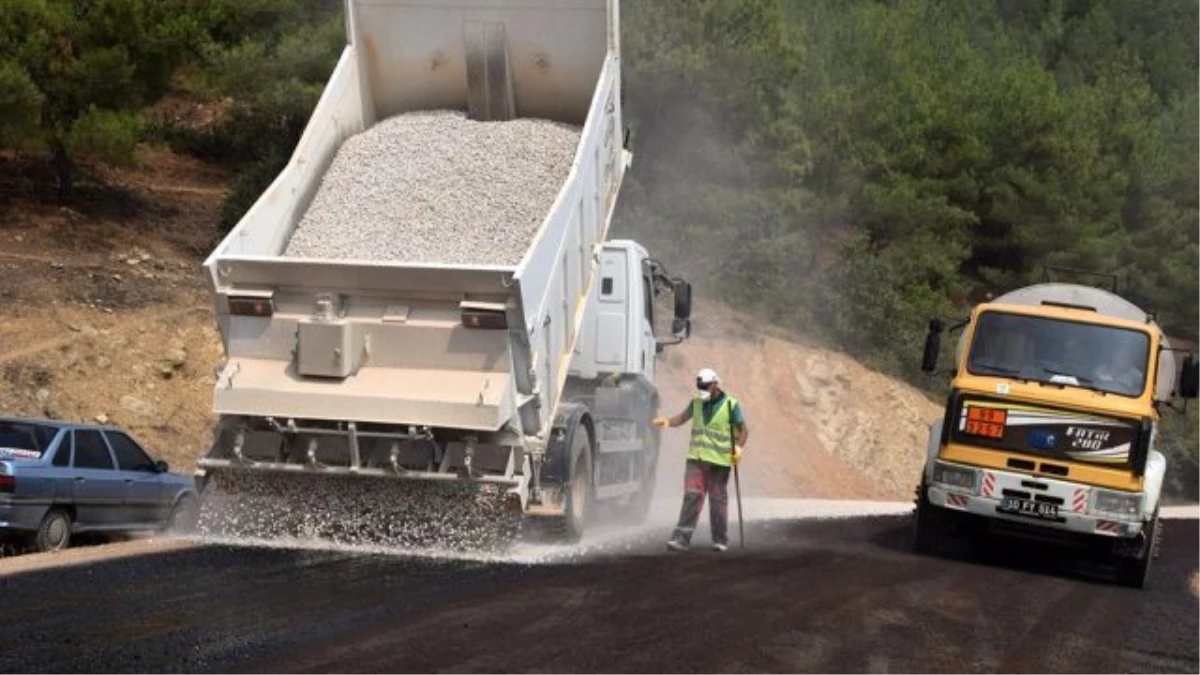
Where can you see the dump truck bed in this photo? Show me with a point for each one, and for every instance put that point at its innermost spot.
(435, 344)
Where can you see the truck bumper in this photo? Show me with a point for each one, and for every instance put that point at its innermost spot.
(1073, 517)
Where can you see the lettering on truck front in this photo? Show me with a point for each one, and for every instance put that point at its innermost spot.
(1087, 439)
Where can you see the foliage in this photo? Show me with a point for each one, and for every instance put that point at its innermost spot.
(73, 75)
(274, 74)
(865, 164)
(852, 167)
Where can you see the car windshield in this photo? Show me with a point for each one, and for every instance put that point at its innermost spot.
(1103, 358)
(25, 440)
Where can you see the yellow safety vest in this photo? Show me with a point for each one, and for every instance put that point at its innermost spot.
(712, 442)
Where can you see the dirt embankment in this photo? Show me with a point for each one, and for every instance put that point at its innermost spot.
(822, 424)
(104, 314)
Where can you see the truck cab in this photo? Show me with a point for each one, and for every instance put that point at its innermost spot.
(1050, 425)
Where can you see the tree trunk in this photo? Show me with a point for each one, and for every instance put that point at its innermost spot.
(65, 169)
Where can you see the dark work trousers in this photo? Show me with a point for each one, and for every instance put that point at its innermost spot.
(700, 479)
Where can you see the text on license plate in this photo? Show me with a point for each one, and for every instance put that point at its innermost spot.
(1028, 508)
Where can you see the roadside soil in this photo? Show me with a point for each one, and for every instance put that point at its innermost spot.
(104, 314)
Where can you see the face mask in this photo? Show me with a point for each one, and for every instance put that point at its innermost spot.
(705, 394)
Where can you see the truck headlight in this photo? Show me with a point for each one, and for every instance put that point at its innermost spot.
(957, 476)
(1125, 504)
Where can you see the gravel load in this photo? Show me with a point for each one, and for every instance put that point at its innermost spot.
(435, 187)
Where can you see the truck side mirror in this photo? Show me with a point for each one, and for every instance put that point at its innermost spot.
(1189, 377)
(681, 328)
(683, 302)
(933, 345)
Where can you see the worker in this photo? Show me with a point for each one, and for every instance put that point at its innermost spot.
(716, 417)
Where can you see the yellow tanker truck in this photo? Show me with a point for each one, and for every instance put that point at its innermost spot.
(1049, 428)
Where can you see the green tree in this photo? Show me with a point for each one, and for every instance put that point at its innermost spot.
(73, 75)
(274, 78)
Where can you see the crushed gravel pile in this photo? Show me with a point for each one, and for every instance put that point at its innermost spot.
(435, 187)
(349, 511)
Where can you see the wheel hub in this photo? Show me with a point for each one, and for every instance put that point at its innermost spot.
(56, 532)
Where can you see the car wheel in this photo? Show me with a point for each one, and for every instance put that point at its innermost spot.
(184, 516)
(54, 533)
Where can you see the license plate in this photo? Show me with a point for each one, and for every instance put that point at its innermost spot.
(1027, 508)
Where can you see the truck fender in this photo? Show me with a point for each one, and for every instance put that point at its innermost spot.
(1156, 470)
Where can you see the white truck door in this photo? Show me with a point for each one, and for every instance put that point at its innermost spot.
(612, 311)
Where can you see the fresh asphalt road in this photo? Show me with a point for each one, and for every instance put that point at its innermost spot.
(804, 596)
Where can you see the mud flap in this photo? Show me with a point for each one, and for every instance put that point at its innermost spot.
(566, 473)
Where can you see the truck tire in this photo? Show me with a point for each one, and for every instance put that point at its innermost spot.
(1135, 572)
(579, 500)
(54, 534)
(930, 526)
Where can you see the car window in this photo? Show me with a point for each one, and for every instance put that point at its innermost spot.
(25, 440)
(62, 456)
(129, 456)
(91, 452)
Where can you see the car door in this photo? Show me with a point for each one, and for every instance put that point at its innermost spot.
(142, 483)
(63, 476)
(97, 488)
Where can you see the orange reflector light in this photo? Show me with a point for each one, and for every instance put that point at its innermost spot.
(251, 306)
(476, 314)
(482, 319)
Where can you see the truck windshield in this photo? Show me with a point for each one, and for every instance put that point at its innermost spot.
(25, 440)
(1091, 356)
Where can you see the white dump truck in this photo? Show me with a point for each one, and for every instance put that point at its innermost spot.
(532, 381)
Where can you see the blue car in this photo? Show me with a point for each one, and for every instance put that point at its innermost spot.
(60, 478)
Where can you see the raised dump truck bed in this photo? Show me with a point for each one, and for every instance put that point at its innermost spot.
(555, 60)
(524, 373)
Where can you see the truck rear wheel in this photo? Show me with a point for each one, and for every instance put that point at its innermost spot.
(1135, 572)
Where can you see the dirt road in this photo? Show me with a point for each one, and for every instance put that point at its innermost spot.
(805, 596)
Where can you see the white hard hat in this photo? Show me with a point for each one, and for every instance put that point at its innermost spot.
(707, 376)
